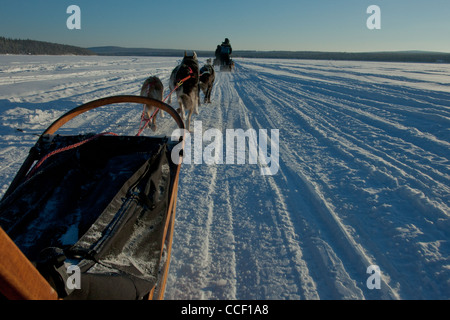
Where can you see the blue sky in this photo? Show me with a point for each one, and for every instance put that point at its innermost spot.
(322, 25)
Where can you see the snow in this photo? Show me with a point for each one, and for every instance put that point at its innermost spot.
(363, 179)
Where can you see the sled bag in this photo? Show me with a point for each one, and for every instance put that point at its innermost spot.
(99, 210)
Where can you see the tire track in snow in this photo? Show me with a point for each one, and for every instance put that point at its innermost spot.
(388, 138)
(211, 258)
(322, 124)
(276, 270)
(305, 286)
(356, 147)
(317, 211)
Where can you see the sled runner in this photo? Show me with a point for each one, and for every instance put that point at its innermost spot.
(91, 216)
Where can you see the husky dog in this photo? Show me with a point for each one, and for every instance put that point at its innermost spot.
(152, 88)
(207, 77)
(188, 94)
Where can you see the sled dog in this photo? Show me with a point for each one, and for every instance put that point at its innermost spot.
(188, 93)
(152, 88)
(207, 78)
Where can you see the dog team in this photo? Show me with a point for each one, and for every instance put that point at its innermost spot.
(187, 79)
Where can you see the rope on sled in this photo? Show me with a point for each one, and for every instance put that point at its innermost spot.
(73, 146)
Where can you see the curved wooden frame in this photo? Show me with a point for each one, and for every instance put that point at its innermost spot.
(82, 109)
(113, 100)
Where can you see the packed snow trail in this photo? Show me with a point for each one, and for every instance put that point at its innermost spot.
(363, 173)
(363, 181)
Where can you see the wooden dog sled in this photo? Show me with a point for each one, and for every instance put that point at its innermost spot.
(91, 216)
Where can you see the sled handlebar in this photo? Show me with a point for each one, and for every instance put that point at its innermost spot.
(112, 100)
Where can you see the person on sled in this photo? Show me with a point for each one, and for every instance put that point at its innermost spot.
(217, 61)
(225, 52)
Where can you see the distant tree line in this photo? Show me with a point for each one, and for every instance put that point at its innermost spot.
(400, 56)
(145, 52)
(17, 46)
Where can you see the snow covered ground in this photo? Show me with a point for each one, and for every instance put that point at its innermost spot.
(363, 179)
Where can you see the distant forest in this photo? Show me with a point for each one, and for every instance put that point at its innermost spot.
(16, 46)
(400, 56)
(32, 47)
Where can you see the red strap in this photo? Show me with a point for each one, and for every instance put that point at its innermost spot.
(73, 146)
